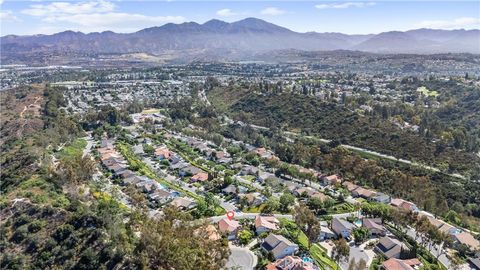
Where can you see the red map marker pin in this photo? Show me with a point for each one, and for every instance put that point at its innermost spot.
(230, 215)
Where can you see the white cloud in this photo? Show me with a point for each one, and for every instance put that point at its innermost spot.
(272, 11)
(226, 12)
(113, 19)
(7, 15)
(463, 22)
(55, 8)
(345, 5)
(93, 16)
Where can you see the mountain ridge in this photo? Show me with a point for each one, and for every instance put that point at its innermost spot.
(244, 37)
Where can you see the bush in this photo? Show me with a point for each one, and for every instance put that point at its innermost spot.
(63, 232)
(35, 226)
(20, 234)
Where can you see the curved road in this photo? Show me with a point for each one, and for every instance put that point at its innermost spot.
(241, 258)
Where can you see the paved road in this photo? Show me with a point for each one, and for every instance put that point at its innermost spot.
(247, 216)
(88, 147)
(241, 258)
(435, 250)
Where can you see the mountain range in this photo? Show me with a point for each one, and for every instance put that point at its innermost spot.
(244, 37)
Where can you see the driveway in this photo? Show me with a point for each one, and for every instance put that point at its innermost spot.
(358, 253)
(241, 258)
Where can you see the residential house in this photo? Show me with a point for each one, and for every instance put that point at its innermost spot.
(249, 170)
(147, 186)
(263, 176)
(397, 264)
(189, 170)
(183, 203)
(252, 199)
(132, 180)
(374, 226)
(174, 158)
(112, 160)
(467, 239)
(279, 246)
(266, 224)
(331, 180)
(342, 228)
(161, 196)
(363, 193)
(199, 177)
(391, 248)
(381, 198)
(179, 165)
(290, 263)
(162, 153)
(318, 195)
(442, 226)
(349, 186)
(229, 227)
(402, 204)
(117, 168)
(325, 232)
(304, 191)
(230, 189)
(126, 174)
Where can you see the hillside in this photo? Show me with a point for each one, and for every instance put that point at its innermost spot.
(54, 216)
(295, 112)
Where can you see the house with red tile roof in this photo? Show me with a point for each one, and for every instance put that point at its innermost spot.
(200, 177)
(266, 224)
(397, 264)
(229, 227)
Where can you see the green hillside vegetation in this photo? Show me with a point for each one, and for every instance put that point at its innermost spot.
(53, 216)
(289, 111)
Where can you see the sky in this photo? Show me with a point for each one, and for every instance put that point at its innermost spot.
(349, 17)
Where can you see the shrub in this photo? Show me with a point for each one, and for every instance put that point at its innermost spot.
(35, 226)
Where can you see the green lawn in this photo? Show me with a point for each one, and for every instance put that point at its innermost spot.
(320, 256)
(341, 208)
(73, 149)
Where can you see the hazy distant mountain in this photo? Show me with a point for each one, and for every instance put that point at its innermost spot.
(245, 37)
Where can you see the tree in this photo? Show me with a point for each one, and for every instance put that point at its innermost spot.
(271, 205)
(316, 204)
(360, 235)
(286, 200)
(245, 236)
(307, 222)
(341, 250)
(173, 242)
(361, 265)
